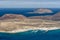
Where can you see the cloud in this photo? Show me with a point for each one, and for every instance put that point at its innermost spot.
(41, 11)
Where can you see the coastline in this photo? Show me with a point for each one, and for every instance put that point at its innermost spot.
(23, 30)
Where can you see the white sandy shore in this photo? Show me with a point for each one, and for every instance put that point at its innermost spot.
(23, 30)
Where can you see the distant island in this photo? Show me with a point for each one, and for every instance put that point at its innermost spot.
(41, 11)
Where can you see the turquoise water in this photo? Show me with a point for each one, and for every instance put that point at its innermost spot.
(29, 35)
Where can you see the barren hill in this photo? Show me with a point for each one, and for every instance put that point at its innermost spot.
(55, 17)
(12, 16)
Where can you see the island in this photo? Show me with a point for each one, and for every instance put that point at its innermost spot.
(41, 11)
(12, 23)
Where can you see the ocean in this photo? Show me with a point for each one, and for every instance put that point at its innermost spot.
(24, 11)
(30, 34)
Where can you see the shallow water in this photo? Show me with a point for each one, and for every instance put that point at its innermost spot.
(32, 35)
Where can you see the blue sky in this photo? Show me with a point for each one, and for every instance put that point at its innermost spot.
(29, 4)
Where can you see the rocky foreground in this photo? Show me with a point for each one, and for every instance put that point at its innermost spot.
(12, 23)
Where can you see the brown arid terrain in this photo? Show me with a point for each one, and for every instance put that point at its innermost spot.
(12, 23)
(12, 16)
(55, 17)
